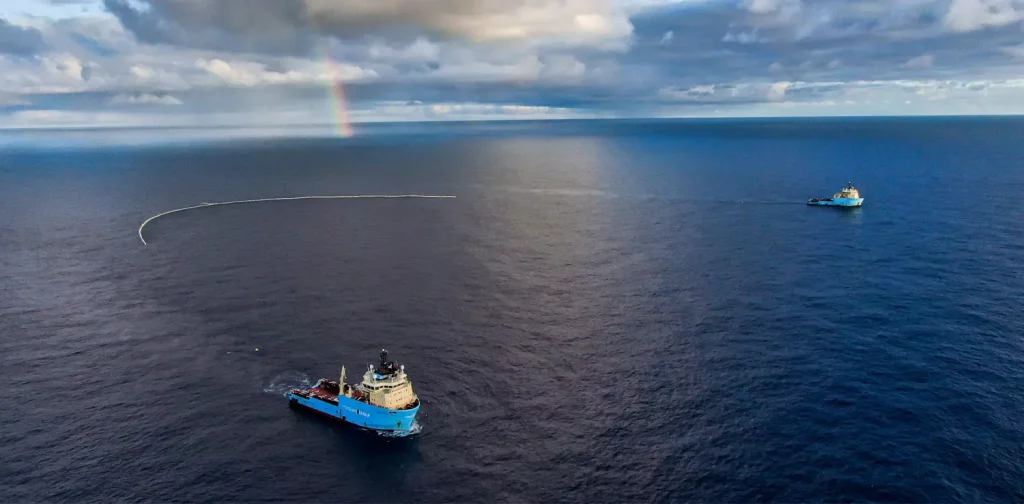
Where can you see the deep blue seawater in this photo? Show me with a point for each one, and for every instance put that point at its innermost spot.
(608, 312)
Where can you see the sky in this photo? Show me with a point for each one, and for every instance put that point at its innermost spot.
(128, 63)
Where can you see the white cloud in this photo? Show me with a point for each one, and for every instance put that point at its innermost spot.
(920, 62)
(163, 79)
(563, 68)
(464, 110)
(766, 6)
(144, 99)
(227, 73)
(743, 37)
(419, 50)
(695, 93)
(667, 37)
(64, 64)
(1015, 51)
(971, 15)
(48, 118)
(13, 101)
(142, 72)
(248, 74)
(466, 67)
(586, 22)
(641, 5)
(777, 91)
(784, 7)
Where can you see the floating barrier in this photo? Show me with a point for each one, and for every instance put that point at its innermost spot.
(292, 198)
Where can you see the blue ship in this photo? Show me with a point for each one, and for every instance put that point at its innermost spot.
(848, 197)
(384, 401)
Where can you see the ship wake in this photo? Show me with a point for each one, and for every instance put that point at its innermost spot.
(415, 429)
(285, 382)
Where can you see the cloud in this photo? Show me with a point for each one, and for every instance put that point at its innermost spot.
(7, 100)
(970, 15)
(579, 21)
(248, 74)
(419, 50)
(777, 91)
(163, 79)
(563, 68)
(1014, 51)
(478, 110)
(771, 6)
(20, 41)
(798, 20)
(253, 61)
(145, 99)
(66, 65)
(742, 37)
(467, 68)
(695, 93)
(922, 61)
(290, 26)
(270, 26)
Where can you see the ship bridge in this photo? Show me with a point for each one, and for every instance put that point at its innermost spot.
(388, 386)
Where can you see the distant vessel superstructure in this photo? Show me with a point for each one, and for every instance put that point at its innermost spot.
(849, 196)
(384, 401)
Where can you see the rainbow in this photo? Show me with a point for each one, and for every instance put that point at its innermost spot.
(339, 106)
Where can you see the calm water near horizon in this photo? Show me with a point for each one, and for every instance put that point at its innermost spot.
(609, 311)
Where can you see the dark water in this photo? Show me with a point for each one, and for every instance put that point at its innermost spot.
(608, 312)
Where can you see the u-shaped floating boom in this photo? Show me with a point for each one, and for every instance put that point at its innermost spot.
(260, 200)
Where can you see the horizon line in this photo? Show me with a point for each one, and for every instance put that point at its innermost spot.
(504, 120)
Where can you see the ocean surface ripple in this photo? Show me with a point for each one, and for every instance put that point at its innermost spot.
(608, 312)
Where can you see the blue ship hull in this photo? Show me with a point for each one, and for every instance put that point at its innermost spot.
(837, 202)
(359, 413)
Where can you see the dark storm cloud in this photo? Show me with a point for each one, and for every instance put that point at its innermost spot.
(20, 41)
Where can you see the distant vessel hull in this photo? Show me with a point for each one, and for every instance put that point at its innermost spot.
(357, 412)
(837, 202)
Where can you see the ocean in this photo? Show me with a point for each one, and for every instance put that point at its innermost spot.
(608, 311)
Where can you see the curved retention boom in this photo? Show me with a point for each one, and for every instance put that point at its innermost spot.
(346, 196)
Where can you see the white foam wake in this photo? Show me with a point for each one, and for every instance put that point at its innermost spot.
(415, 429)
(285, 382)
(291, 198)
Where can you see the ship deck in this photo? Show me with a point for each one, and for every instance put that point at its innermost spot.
(327, 393)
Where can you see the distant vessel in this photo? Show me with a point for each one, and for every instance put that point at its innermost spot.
(384, 400)
(849, 196)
